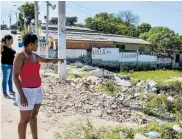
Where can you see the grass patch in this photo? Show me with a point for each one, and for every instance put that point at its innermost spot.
(85, 130)
(78, 75)
(158, 104)
(158, 75)
(73, 73)
(109, 87)
(165, 131)
(176, 85)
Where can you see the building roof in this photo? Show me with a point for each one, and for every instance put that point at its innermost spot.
(70, 28)
(70, 35)
(78, 33)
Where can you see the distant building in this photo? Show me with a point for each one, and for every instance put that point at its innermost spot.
(84, 38)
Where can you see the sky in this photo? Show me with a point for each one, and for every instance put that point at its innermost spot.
(168, 14)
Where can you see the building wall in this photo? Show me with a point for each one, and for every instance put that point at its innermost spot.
(86, 44)
(78, 44)
(111, 57)
(137, 47)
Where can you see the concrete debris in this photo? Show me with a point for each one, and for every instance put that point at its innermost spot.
(170, 99)
(122, 82)
(122, 134)
(177, 128)
(139, 136)
(78, 65)
(102, 73)
(153, 135)
(88, 68)
(83, 96)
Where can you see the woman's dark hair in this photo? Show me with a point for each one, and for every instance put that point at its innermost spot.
(6, 37)
(29, 38)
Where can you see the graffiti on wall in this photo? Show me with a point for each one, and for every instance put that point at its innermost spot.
(128, 57)
(164, 61)
(105, 54)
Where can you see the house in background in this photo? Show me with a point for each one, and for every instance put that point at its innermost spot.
(84, 38)
(81, 41)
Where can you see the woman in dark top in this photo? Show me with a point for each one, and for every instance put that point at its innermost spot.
(7, 57)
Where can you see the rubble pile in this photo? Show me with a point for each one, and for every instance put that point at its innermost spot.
(76, 97)
(82, 95)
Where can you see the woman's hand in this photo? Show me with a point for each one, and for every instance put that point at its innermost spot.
(61, 60)
(23, 101)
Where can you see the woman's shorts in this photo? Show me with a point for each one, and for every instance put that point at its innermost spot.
(33, 96)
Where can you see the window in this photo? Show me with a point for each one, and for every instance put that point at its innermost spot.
(121, 47)
(141, 49)
(177, 58)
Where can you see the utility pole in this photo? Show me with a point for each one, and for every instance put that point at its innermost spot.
(10, 21)
(16, 16)
(36, 22)
(47, 25)
(24, 20)
(16, 20)
(62, 39)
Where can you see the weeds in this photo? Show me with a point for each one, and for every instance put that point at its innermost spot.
(158, 75)
(110, 88)
(160, 105)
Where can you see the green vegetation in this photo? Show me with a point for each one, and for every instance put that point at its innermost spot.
(109, 87)
(176, 85)
(85, 130)
(72, 73)
(160, 105)
(158, 75)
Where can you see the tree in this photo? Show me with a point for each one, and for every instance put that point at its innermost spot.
(103, 22)
(163, 40)
(79, 25)
(108, 23)
(54, 21)
(144, 27)
(28, 9)
(128, 18)
(70, 21)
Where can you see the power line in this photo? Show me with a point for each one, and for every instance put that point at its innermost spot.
(85, 7)
(75, 9)
(165, 6)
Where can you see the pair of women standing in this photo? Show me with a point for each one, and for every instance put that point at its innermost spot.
(26, 75)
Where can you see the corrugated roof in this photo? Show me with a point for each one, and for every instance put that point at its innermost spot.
(70, 28)
(70, 35)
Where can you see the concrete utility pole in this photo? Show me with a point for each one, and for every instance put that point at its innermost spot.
(10, 21)
(16, 16)
(47, 25)
(24, 20)
(36, 22)
(62, 39)
(17, 20)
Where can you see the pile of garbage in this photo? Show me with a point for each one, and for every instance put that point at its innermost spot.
(76, 97)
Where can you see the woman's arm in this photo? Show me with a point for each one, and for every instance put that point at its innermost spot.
(17, 65)
(2, 49)
(48, 60)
